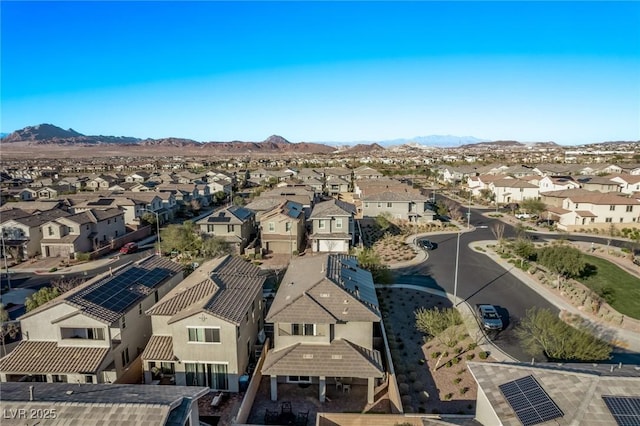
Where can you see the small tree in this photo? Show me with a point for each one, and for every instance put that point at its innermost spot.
(524, 248)
(383, 220)
(238, 201)
(543, 333)
(562, 260)
(438, 323)
(41, 297)
(498, 232)
(219, 197)
(215, 246)
(533, 206)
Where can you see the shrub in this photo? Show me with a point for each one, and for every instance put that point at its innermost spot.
(83, 257)
(464, 390)
(457, 380)
(448, 364)
(470, 356)
(448, 396)
(435, 355)
(458, 350)
(417, 386)
(483, 355)
(53, 269)
(471, 346)
(404, 388)
(461, 371)
(406, 402)
(455, 360)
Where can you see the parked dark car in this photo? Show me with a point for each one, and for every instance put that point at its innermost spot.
(129, 248)
(489, 317)
(427, 245)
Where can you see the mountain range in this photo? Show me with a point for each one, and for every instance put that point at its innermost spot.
(48, 134)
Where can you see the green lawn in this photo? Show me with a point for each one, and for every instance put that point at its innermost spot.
(626, 286)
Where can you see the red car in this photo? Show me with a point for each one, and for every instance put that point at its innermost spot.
(129, 248)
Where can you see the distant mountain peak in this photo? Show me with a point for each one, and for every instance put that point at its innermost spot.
(276, 139)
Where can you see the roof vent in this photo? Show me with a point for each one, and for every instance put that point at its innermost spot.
(307, 356)
(336, 356)
(346, 311)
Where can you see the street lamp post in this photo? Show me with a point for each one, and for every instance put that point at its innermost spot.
(455, 279)
(4, 256)
(469, 211)
(158, 251)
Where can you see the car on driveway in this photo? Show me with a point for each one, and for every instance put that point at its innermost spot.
(427, 245)
(489, 317)
(129, 248)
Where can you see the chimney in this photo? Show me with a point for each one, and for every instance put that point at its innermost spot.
(30, 393)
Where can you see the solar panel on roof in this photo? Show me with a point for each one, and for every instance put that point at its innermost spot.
(624, 409)
(530, 402)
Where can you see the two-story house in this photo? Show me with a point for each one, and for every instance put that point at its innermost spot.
(513, 190)
(557, 183)
(92, 333)
(332, 226)
(22, 232)
(205, 329)
(324, 316)
(598, 210)
(629, 184)
(235, 224)
(282, 229)
(81, 232)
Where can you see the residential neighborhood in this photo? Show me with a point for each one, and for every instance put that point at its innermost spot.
(249, 296)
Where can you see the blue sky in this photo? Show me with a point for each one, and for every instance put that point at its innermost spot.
(567, 72)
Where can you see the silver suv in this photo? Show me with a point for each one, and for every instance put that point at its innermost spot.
(489, 318)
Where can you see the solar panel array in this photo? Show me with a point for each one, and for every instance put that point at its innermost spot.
(625, 409)
(119, 292)
(530, 402)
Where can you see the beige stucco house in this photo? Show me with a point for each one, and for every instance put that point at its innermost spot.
(92, 333)
(22, 232)
(332, 226)
(81, 232)
(205, 330)
(324, 316)
(282, 229)
(235, 224)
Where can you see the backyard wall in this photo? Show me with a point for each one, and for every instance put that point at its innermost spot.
(252, 390)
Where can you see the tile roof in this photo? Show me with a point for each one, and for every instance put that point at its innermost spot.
(513, 183)
(340, 358)
(332, 207)
(159, 348)
(38, 356)
(577, 389)
(594, 197)
(337, 289)
(224, 287)
(108, 296)
(100, 404)
(405, 196)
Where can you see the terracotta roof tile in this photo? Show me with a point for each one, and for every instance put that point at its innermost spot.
(37, 356)
(340, 358)
(159, 348)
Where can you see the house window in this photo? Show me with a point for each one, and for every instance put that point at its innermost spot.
(209, 228)
(88, 378)
(59, 378)
(155, 296)
(123, 322)
(576, 206)
(339, 223)
(140, 309)
(629, 209)
(612, 208)
(125, 357)
(213, 376)
(204, 335)
(303, 329)
(272, 227)
(50, 229)
(299, 379)
(321, 224)
(287, 227)
(608, 220)
(231, 228)
(379, 205)
(389, 205)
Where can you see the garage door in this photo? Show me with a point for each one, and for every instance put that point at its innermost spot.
(282, 247)
(335, 246)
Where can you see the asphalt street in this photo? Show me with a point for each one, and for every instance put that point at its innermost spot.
(481, 280)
